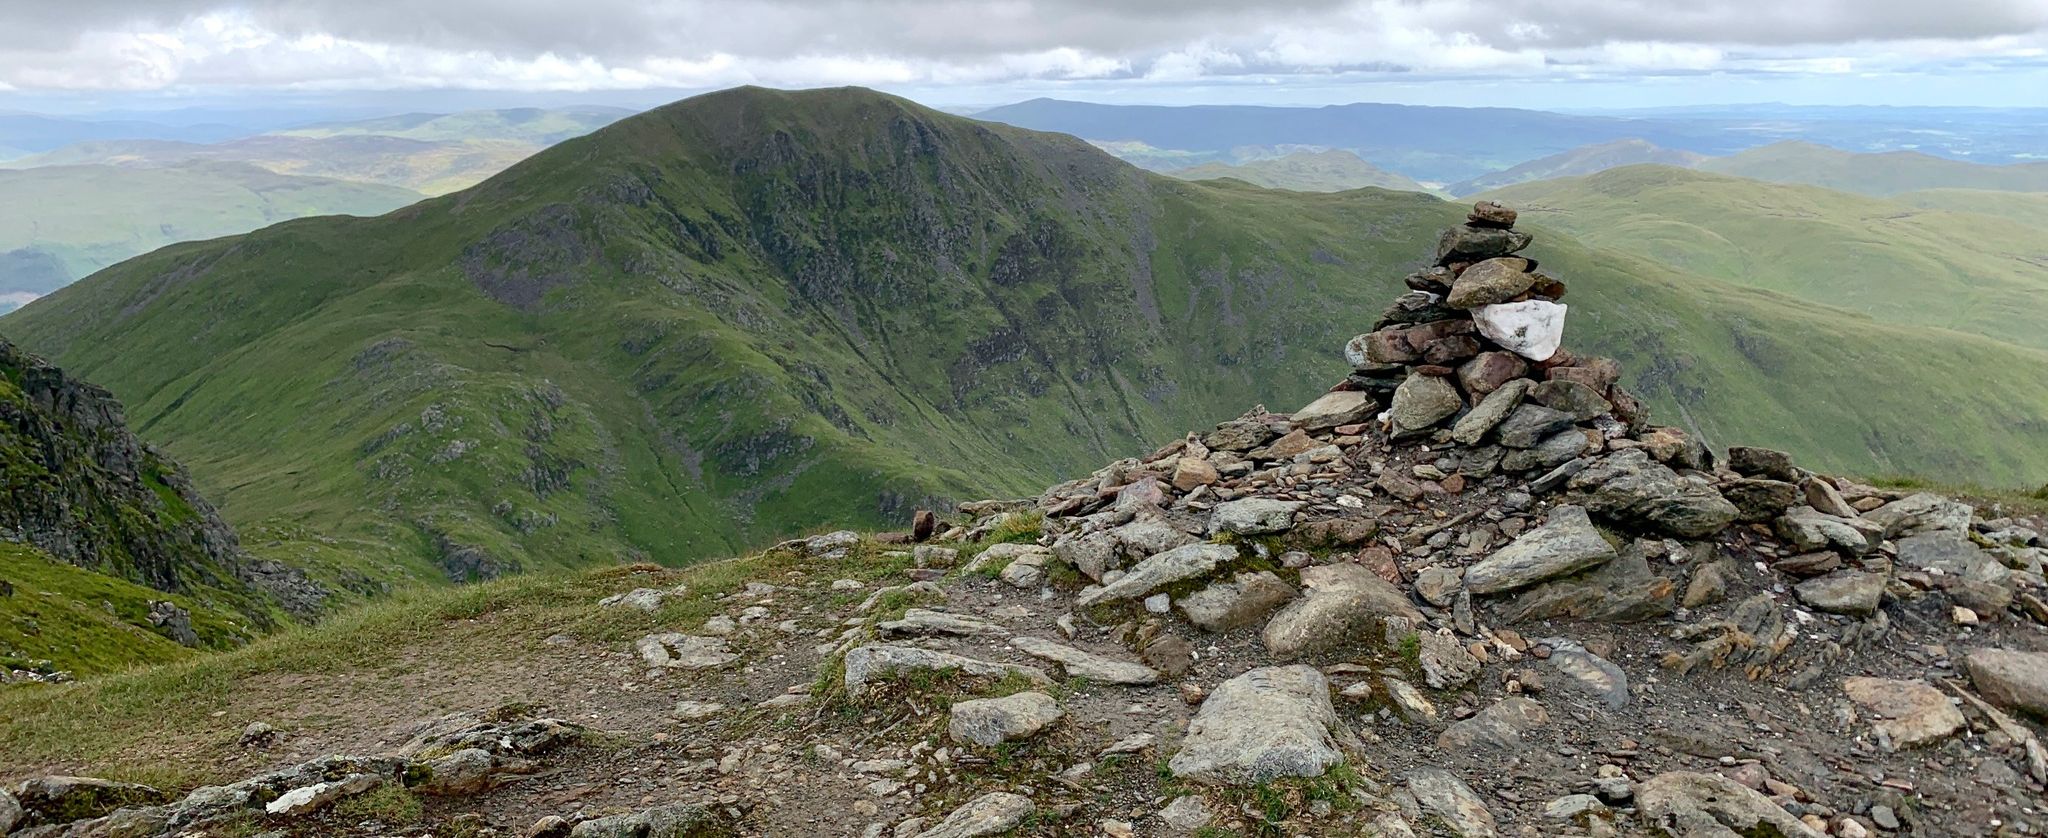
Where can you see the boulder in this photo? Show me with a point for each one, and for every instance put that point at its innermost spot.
(1499, 727)
(1181, 563)
(1530, 424)
(1421, 402)
(995, 813)
(1533, 329)
(1488, 371)
(1241, 601)
(1241, 434)
(1951, 554)
(1627, 486)
(1565, 396)
(989, 722)
(1623, 590)
(1567, 543)
(1759, 499)
(61, 800)
(1343, 407)
(1762, 462)
(1909, 713)
(2011, 679)
(1253, 516)
(876, 662)
(1921, 513)
(1850, 592)
(1807, 529)
(1684, 804)
(1261, 726)
(1343, 603)
(1466, 243)
(1490, 412)
(468, 771)
(1491, 214)
(1080, 664)
(1445, 798)
(1496, 280)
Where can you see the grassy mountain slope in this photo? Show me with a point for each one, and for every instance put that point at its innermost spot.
(89, 623)
(2029, 208)
(1874, 174)
(1584, 160)
(429, 167)
(1305, 171)
(536, 126)
(1895, 263)
(754, 313)
(73, 220)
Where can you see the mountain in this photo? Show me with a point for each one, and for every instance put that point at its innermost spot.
(73, 220)
(1875, 174)
(1584, 160)
(1305, 171)
(754, 313)
(430, 167)
(1431, 144)
(1897, 264)
(111, 557)
(28, 132)
(534, 126)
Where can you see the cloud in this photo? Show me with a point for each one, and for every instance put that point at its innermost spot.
(613, 44)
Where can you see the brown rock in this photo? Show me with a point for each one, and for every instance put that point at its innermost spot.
(1908, 713)
(1170, 654)
(1451, 350)
(1561, 358)
(1547, 287)
(922, 525)
(1390, 346)
(1592, 371)
(1192, 472)
(1489, 282)
(1809, 564)
(1491, 214)
(1434, 371)
(1380, 561)
(1487, 371)
(1284, 448)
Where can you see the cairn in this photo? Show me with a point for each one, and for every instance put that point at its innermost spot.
(1475, 348)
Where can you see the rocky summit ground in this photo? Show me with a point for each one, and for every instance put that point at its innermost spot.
(1493, 605)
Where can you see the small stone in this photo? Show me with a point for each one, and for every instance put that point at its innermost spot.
(989, 722)
(1909, 713)
(994, 813)
(1850, 592)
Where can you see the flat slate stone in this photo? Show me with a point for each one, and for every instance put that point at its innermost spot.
(1180, 563)
(1080, 664)
(1564, 545)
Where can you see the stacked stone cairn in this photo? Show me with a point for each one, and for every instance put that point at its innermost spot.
(1474, 350)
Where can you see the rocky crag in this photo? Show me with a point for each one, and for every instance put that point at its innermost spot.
(81, 488)
(1473, 591)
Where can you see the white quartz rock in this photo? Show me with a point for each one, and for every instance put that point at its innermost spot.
(1532, 329)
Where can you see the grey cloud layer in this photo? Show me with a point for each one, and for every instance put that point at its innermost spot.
(628, 30)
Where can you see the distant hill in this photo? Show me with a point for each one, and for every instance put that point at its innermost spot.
(1584, 160)
(1430, 144)
(535, 126)
(69, 221)
(427, 167)
(1887, 173)
(29, 133)
(1305, 171)
(1896, 263)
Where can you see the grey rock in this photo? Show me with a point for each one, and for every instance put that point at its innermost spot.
(1080, 664)
(1445, 663)
(306, 800)
(1439, 585)
(1953, 555)
(1850, 592)
(922, 622)
(1822, 495)
(1762, 462)
(1409, 702)
(1807, 529)
(1560, 448)
(1921, 513)
(875, 662)
(1589, 672)
(1574, 807)
(1421, 402)
(1344, 602)
(1007, 554)
(1445, 797)
(1254, 516)
(1622, 590)
(62, 799)
(1178, 564)
(1759, 499)
(1567, 543)
(1629, 487)
(1683, 804)
(679, 820)
(1530, 424)
(989, 722)
(639, 599)
(1185, 814)
(1027, 571)
(1499, 727)
(468, 771)
(831, 545)
(1241, 601)
(2011, 679)
(175, 621)
(1578, 399)
(1344, 407)
(1466, 243)
(1489, 282)
(1492, 410)
(994, 813)
(1091, 553)
(1149, 537)
(10, 812)
(1263, 725)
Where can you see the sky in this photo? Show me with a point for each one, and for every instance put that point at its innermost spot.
(100, 55)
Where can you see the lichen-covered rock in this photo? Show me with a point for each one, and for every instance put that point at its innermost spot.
(1421, 402)
(1683, 804)
(1627, 486)
(989, 722)
(61, 799)
(1241, 601)
(866, 665)
(1344, 604)
(1254, 516)
(678, 820)
(995, 813)
(1181, 563)
(1566, 544)
(1261, 726)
